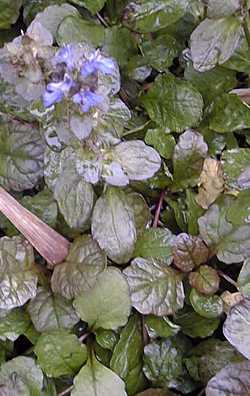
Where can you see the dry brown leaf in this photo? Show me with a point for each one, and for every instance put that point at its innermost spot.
(211, 183)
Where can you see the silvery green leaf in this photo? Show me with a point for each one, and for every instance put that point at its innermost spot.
(53, 15)
(107, 304)
(155, 288)
(21, 154)
(114, 175)
(18, 281)
(236, 327)
(38, 32)
(92, 5)
(222, 8)
(113, 225)
(21, 376)
(244, 278)
(81, 126)
(141, 212)
(236, 168)
(214, 42)
(75, 198)
(51, 312)
(138, 160)
(94, 379)
(79, 271)
(232, 380)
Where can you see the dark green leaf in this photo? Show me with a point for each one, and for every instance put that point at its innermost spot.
(60, 353)
(107, 339)
(160, 327)
(207, 306)
(126, 360)
(9, 12)
(155, 288)
(163, 142)
(107, 304)
(13, 324)
(168, 103)
(194, 325)
(92, 5)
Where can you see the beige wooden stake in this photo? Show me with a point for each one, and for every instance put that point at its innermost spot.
(52, 246)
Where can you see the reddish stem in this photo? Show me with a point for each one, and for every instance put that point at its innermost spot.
(158, 209)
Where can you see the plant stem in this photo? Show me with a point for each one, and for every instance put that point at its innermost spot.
(158, 209)
(228, 279)
(102, 20)
(52, 246)
(84, 336)
(66, 391)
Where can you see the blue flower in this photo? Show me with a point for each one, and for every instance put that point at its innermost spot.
(87, 100)
(55, 91)
(97, 63)
(66, 55)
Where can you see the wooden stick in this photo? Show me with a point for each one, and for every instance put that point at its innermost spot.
(52, 246)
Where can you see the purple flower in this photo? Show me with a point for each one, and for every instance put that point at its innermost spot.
(66, 55)
(96, 63)
(55, 91)
(87, 100)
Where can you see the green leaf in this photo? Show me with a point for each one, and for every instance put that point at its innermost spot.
(107, 304)
(230, 241)
(212, 83)
(161, 141)
(75, 199)
(236, 327)
(137, 160)
(244, 278)
(149, 15)
(51, 312)
(194, 325)
(9, 12)
(156, 392)
(18, 281)
(141, 212)
(240, 60)
(236, 168)
(112, 44)
(21, 376)
(155, 243)
(94, 379)
(228, 114)
(60, 353)
(74, 29)
(205, 279)
(219, 9)
(209, 357)
(214, 42)
(79, 271)
(113, 225)
(189, 252)
(126, 360)
(154, 287)
(53, 15)
(107, 339)
(13, 324)
(160, 52)
(233, 380)
(189, 154)
(21, 153)
(43, 206)
(163, 361)
(92, 5)
(168, 103)
(207, 306)
(160, 327)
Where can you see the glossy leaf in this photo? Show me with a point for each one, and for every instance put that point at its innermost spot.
(160, 327)
(244, 278)
(194, 325)
(205, 280)
(79, 271)
(189, 252)
(236, 168)
(13, 323)
(154, 287)
(207, 306)
(164, 143)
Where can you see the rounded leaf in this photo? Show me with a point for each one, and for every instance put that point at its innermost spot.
(205, 280)
(207, 306)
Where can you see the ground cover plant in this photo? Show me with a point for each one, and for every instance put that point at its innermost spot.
(125, 127)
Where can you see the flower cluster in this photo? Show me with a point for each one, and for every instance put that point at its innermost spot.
(75, 76)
